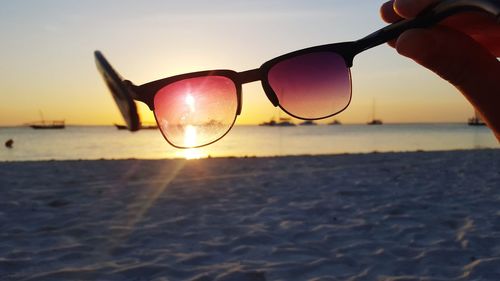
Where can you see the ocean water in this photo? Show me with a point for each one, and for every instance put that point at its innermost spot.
(106, 142)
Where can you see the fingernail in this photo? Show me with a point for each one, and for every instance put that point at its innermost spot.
(405, 8)
(416, 43)
(411, 8)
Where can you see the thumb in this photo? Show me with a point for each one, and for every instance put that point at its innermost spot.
(460, 60)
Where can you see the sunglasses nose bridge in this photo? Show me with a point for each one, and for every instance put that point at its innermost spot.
(257, 74)
(253, 75)
(249, 76)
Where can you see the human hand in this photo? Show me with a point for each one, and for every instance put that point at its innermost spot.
(461, 49)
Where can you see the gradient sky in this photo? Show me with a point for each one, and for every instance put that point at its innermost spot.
(46, 55)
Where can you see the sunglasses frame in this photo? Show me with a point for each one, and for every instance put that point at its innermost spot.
(125, 92)
(147, 92)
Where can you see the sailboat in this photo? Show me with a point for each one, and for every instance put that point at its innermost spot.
(476, 120)
(120, 127)
(335, 122)
(283, 122)
(144, 126)
(308, 123)
(374, 121)
(48, 124)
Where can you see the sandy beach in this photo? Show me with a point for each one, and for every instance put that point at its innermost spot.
(378, 216)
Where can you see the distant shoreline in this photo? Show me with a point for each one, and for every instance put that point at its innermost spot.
(106, 142)
(291, 157)
(238, 125)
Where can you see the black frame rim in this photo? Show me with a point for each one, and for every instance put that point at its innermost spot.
(159, 84)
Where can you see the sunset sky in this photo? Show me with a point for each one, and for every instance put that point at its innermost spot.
(47, 65)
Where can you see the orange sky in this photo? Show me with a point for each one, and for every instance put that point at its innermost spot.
(47, 50)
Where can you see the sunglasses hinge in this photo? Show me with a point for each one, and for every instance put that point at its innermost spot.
(136, 93)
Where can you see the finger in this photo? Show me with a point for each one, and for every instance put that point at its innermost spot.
(411, 8)
(470, 67)
(389, 15)
(392, 43)
(481, 27)
(387, 12)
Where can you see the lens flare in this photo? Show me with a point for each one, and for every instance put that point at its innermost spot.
(190, 136)
(196, 111)
(190, 102)
(190, 140)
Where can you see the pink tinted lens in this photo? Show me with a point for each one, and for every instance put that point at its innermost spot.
(196, 111)
(312, 86)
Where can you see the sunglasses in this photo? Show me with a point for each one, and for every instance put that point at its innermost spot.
(197, 109)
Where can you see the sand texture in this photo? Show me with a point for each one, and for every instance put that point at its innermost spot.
(381, 216)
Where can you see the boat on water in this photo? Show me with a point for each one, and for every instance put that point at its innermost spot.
(284, 122)
(374, 120)
(143, 127)
(308, 123)
(56, 124)
(149, 127)
(270, 123)
(476, 120)
(120, 127)
(335, 122)
(47, 124)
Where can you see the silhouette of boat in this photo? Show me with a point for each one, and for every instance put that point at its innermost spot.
(120, 127)
(335, 122)
(44, 124)
(374, 121)
(308, 123)
(476, 120)
(48, 125)
(284, 122)
(143, 127)
(149, 127)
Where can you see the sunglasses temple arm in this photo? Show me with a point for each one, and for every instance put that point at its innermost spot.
(122, 91)
(427, 18)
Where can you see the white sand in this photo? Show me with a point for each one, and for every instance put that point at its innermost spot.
(394, 216)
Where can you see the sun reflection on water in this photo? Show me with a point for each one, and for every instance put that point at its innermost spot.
(190, 136)
(193, 153)
(190, 139)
